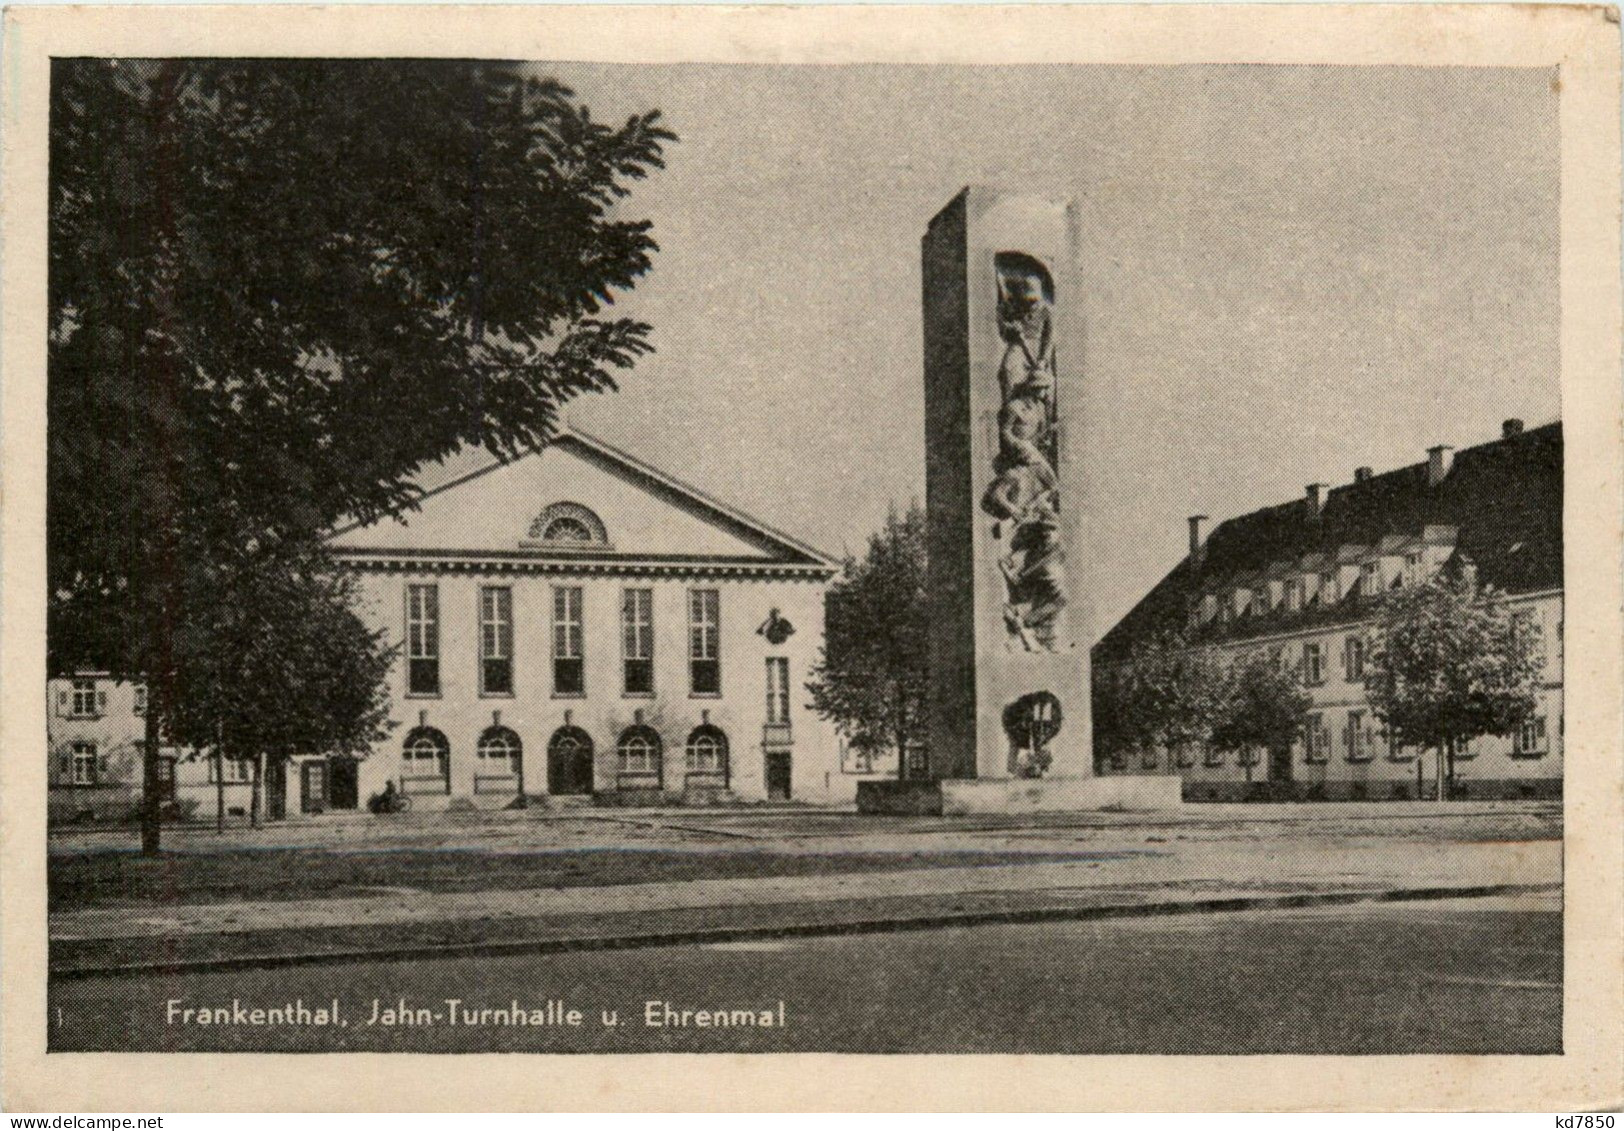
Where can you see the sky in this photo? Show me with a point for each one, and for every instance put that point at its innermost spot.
(1286, 273)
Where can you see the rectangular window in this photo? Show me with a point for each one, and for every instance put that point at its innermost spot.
(1313, 664)
(422, 640)
(637, 640)
(1316, 740)
(84, 763)
(1530, 740)
(1327, 589)
(139, 699)
(1214, 757)
(1294, 594)
(705, 642)
(1354, 659)
(1147, 758)
(236, 770)
(1356, 739)
(1396, 751)
(777, 691)
(1260, 601)
(87, 699)
(496, 640)
(1184, 755)
(569, 666)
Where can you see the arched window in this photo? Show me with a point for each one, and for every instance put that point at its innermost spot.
(568, 525)
(640, 749)
(499, 753)
(425, 762)
(707, 753)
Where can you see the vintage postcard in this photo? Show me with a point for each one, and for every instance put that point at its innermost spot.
(652, 548)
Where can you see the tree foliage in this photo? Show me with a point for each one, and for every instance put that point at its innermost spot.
(1167, 692)
(277, 661)
(1263, 705)
(276, 290)
(1449, 663)
(873, 677)
(1170, 692)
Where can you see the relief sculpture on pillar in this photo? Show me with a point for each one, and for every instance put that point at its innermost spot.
(1024, 496)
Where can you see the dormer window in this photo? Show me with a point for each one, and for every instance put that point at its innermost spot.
(1260, 601)
(1327, 589)
(1371, 579)
(1294, 594)
(567, 526)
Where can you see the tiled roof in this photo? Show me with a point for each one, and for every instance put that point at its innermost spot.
(1504, 500)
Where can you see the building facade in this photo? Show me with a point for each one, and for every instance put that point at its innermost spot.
(1299, 583)
(572, 624)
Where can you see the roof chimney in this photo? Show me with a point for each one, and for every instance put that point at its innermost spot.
(1438, 461)
(1316, 499)
(1195, 536)
(1360, 474)
(1510, 428)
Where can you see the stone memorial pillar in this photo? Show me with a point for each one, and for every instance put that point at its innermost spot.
(1004, 404)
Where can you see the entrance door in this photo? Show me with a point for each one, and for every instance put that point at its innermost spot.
(569, 761)
(313, 786)
(343, 783)
(1280, 764)
(778, 775)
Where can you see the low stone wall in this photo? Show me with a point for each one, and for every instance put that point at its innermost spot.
(1511, 789)
(1060, 795)
(900, 798)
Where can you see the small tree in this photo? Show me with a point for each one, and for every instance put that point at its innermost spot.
(873, 677)
(1264, 704)
(1167, 692)
(1449, 662)
(282, 666)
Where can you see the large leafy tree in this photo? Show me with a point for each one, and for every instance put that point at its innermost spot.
(279, 288)
(1449, 663)
(873, 677)
(1167, 692)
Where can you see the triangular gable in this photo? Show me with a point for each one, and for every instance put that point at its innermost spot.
(644, 513)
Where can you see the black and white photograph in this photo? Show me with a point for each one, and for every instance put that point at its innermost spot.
(548, 555)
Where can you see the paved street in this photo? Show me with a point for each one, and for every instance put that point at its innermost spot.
(1466, 976)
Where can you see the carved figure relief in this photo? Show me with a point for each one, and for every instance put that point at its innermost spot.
(1031, 723)
(1024, 496)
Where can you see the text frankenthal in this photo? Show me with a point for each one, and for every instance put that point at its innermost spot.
(457, 1012)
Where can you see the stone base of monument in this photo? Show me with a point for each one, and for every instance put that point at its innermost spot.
(956, 796)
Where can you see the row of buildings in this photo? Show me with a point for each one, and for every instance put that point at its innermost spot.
(576, 623)
(1299, 582)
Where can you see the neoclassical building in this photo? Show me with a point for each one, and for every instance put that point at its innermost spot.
(573, 623)
(1299, 583)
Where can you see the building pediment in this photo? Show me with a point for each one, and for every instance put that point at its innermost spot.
(578, 500)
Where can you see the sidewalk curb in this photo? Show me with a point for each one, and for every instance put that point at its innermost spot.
(545, 946)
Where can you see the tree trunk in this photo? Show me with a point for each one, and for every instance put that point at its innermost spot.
(1450, 746)
(219, 785)
(254, 805)
(902, 739)
(152, 801)
(1438, 785)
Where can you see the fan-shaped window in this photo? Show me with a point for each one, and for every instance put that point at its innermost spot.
(568, 525)
(707, 753)
(499, 754)
(640, 750)
(425, 762)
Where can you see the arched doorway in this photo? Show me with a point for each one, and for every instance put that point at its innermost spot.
(569, 761)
